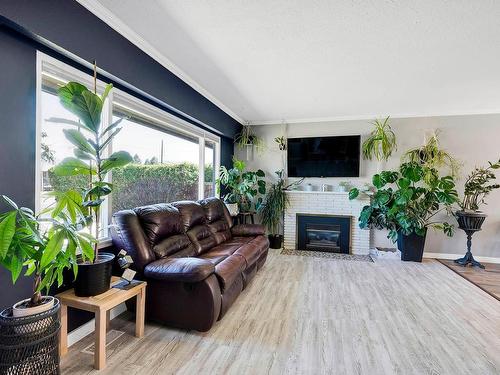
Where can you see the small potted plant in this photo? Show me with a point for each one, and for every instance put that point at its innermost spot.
(406, 202)
(91, 141)
(381, 142)
(470, 219)
(41, 247)
(431, 156)
(244, 189)
(247, 139)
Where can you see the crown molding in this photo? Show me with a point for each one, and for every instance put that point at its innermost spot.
(371, 117)
(119, 26)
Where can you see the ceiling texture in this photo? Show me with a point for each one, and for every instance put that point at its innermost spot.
(274, 61)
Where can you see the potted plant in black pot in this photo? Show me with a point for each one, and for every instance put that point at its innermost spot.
(244, 189)
(407, 202)
(273, 209)
(41, 247)
(477, 186)
(90, 141)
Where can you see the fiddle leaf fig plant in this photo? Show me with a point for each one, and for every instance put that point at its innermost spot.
(91, 144)
(243, 187)
(43, 246)
(478, 185)
(404, 201)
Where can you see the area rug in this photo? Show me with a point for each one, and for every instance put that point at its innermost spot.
(319, 254)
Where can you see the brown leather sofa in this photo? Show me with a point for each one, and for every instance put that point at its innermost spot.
(195, 261)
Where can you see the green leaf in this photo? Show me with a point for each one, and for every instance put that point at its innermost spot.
(260, 173)
(412, 171)
(116, 160)
(16, 267)
(10, 202)
(77, 139)
(110, 138)
(7, 231)
(404, 183)
(54, 246)
(73, 167)
(76, 98)
(107, 89)
(377, 181)
(389, 177)
(79, 154)
(85, 246)
(112, 126)
(353, 193)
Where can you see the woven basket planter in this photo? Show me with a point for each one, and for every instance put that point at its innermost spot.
(29, 345)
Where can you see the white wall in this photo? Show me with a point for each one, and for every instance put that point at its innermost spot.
(472, 139)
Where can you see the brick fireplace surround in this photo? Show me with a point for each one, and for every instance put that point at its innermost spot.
(326, 203)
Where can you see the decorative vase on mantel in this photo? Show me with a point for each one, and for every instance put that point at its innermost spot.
(470, 222)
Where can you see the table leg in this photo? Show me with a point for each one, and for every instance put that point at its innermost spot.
(107, 320)
(63, 338)
(100, 340)
(139, 313)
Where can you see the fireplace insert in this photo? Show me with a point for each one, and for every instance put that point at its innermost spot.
(323, 233)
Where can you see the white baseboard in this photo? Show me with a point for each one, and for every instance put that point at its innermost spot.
(89, 327)
(456, 256)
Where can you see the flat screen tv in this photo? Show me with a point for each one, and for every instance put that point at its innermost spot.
(324, 156)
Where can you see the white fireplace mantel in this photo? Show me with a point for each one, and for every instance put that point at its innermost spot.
(326, 203)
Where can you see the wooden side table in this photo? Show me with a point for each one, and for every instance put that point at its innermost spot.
(101, 305)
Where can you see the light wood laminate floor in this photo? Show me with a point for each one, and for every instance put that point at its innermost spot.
(305, 315)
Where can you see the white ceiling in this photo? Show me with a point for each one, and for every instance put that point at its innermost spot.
(268, 61)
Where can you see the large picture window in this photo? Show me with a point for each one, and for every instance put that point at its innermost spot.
(173, 160)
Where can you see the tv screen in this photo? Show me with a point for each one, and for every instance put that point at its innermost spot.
(324, 156)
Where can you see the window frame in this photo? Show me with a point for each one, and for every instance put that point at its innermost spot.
(47, 66)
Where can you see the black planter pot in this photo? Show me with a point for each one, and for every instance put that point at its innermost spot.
(411, 246)
(29, 345)
(470, 223)
(94, 278)
(275, 241)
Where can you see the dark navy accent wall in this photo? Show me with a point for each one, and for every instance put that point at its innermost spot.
(17, 140)
(72, 27)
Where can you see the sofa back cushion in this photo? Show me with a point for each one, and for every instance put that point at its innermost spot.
(195, 225)
(163, 227)
(215, 214)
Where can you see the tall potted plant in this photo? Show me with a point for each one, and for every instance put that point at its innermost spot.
(244, 189)
(273, 209)
(41, 247)
(91, 141)
(407, 202)
(470, 219)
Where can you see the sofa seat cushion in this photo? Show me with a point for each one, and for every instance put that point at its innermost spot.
(252, 250)
(229, 270)
(238, 241)
(214, 258)
(189, 270)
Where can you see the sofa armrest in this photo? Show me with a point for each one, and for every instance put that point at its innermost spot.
(189, 270)
(247, 230)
